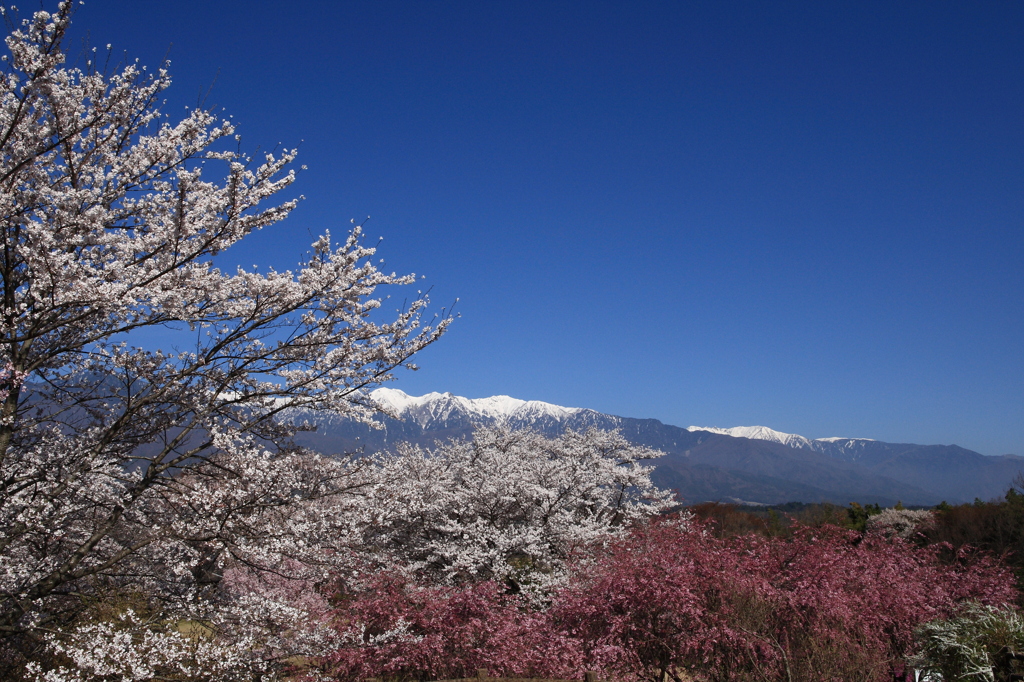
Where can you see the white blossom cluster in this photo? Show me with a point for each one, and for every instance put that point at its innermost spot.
(507, 505)
(131, 649)
(136, 476)
(510, 505)
(902, 522)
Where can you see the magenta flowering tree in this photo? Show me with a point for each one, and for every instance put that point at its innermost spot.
(846, 605)
(829, 604)
(398, 628)
(653, 605)
(669, 601)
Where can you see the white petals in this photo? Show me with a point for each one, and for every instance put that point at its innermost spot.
(130, 471)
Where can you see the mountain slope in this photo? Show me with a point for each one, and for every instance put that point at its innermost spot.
(952, 472)
(748, 464)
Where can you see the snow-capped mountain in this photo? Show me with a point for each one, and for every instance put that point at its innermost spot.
(438, 416)
(841, 448)
(745, 463)
(443, 407)
(759, 433)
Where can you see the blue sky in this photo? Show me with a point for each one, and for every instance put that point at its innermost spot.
(803, 215)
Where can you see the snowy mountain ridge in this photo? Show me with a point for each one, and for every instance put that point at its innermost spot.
(753, 464)
(789, 439)
(434, 407)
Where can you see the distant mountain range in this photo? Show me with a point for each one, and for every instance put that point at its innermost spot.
(746, 464)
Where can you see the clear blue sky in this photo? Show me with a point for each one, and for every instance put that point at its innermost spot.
(803, 215)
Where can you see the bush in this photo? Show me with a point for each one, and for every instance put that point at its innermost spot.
(400, 629)
(670, 600)
(972, 645)
(825, 604)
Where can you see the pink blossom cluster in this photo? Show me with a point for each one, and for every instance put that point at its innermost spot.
(670, 601)
(397, 627)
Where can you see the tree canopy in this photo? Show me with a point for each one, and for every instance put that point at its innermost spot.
(129, 467)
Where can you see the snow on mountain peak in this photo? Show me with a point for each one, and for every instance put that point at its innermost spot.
(497, 407)
(758, 433)
(433, 408)
(764, 433)
(398, 401)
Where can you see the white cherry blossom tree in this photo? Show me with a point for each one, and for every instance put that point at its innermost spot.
(509, 505)
(140, 473)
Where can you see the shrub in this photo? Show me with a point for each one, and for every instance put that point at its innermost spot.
(825, 604)
(397, 628)
(972, 645)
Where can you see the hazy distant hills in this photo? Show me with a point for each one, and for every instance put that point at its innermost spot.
(742, 464)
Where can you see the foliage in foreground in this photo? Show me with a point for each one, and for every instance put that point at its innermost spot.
(464, 523)
(399, 628)
(670, 600)
(973, 645)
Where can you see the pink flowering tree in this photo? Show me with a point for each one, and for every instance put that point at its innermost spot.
(399, 628)
(666, 600)
(652, 604)
(143, 473)
(828, 604)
